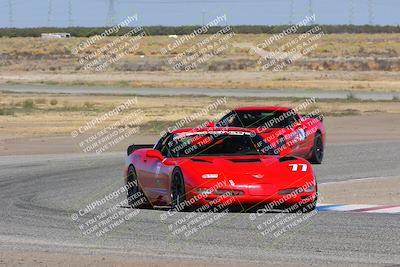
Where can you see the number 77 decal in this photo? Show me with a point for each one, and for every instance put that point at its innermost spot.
(295, 167)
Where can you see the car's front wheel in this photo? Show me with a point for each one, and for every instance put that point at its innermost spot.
(309, 207)
(177, 190)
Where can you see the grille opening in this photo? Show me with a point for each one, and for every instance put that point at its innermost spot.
(244, 160)
(201, 160)
(287, 158)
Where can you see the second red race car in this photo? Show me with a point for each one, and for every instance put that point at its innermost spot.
(200, 167)
(286, 130)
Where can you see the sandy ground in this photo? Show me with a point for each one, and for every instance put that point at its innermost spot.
(373, 191)
(31, 259)
(340, 130)
(19, 258)
(378, 81)
(366, 128)
(61, 145)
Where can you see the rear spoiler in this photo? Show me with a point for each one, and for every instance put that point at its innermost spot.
(311, 116)
(134, 147)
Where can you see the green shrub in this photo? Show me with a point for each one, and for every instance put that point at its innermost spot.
(351, 96)
(88, 105)
(28, 104)
(40, 100)
(6, 112)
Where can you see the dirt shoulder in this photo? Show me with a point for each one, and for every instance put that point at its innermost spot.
(340, 130)
(33, 259)
(367, 62)
(376, 81)
(373, 191)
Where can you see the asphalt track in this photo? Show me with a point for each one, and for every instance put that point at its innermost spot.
(264, 93)
(39, 193)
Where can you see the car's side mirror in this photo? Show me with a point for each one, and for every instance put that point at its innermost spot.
(211, 124)
(297, 125)
(152, 153)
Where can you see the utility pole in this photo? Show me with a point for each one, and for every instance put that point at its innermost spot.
(49, 12)
(311, 8)
(291, 11)
(370, 12)
(70, 22)
(111, 13)
(10, 13)
(351, 12)
(203, 17)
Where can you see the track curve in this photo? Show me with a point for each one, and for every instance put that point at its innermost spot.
(39, 193)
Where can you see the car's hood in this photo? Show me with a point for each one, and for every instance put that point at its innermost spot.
(246, 169)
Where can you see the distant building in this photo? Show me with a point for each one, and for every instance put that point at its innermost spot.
(56, 35)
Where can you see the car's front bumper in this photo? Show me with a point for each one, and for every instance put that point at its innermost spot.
(261, 195)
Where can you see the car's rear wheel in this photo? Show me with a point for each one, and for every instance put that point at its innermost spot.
(177, 190)
(317, 152)
(135, 195)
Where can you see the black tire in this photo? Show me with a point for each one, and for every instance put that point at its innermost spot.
(133, 190)
(305, 208)
(317, 152)
(177, 190)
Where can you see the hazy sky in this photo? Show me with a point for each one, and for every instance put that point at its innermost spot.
(34, 13)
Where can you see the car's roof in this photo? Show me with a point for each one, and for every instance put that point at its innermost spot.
(211, 129)
(279, 108)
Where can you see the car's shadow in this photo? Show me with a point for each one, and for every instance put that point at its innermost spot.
(215, 209)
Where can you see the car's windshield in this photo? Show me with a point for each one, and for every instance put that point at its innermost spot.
(222, 143)
(257, 118)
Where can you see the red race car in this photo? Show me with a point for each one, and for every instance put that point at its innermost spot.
(289, 132)
(208, 166)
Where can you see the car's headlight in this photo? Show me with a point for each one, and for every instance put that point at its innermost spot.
(291, 190)
(310, 189)
(203, 191)
(210, 176)
(299, 190)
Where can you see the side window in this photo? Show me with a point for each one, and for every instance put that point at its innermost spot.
(226, 120)
(162, 142)
(292, 119)
(296, 117)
